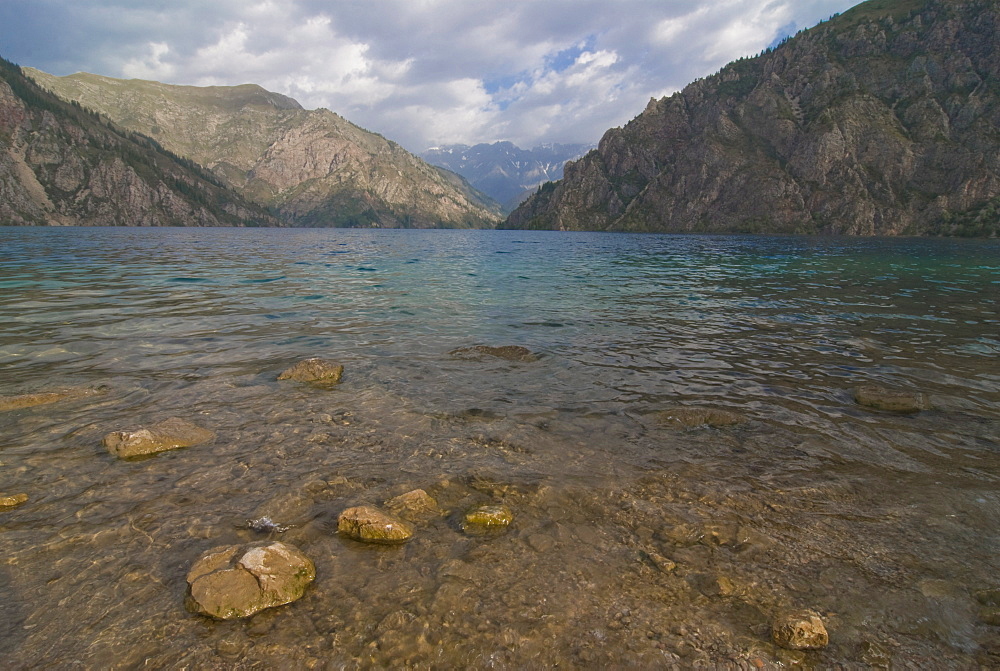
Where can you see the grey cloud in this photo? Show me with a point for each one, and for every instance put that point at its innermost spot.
(416, 72)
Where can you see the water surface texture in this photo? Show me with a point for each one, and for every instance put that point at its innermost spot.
(636, 542)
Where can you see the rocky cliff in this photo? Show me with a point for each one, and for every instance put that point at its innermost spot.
(881, 121)
(312, 168)
(61, 165)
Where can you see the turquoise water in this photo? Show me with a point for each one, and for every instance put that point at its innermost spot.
(845, 502)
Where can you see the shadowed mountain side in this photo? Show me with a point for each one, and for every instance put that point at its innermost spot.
(312, 167)
(62, 165)
(881, 121)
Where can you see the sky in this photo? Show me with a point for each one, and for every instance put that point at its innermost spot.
(421, 72)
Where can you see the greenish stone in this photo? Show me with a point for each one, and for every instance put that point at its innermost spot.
(314, 370)
(486, 518)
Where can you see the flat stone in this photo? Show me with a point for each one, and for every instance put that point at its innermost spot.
(169, 434)
(314, 370)
(799, 630)
(508, 352)
(487, 518)
(691, 417)
(44, 398)
(416, 504)
(371, 525)
(8, 501)
(880, 398)
(237, 581)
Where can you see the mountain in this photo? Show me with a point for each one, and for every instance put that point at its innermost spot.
(62, 165)
(310, 167)
(503, 170)
(881, 121)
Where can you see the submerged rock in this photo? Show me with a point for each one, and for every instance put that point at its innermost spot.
(169, 434)
(799, 630)
(44, 398)
(8, 501)
(690, 417)
(416, 503)
(371, 525)
(508, 352)
(235, 581)
(880, 398)
(314, 370)
(487, 518)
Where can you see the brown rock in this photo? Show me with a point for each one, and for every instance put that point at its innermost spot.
(314, 370)
(8, 501)
(416, 504)
(371, 525)
(169, 434)
(799, 630)
(880, 398)
(238, 581)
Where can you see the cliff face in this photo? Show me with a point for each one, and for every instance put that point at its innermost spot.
(313, 168)
(882, 121)
(60, 165)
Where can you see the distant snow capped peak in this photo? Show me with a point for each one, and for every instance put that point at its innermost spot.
(503, 170)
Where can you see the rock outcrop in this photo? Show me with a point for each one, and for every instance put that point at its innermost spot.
(880, 121)
(170, 434)
(311, 167)
(234, 581)
(62, 165)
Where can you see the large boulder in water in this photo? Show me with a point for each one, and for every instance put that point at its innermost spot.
(314, 370)
(880, 398)
(235, 581)
(371, 525)
(170, 434)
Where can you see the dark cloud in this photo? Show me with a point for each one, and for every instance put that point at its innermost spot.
(419, 71)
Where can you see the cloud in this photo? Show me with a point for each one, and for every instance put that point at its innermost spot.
(421, 72)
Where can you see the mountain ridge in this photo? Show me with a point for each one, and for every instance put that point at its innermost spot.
(880, 121)
(63, 165)
(310, 167)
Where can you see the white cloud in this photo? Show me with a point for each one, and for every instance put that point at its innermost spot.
(420, 72)
(150, 66)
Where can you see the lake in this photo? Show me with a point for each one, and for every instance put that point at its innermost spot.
(638, 540)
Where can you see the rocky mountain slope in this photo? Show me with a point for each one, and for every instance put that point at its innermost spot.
(504, 171)
(881, 121)
(312, 168)
(61, 165)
